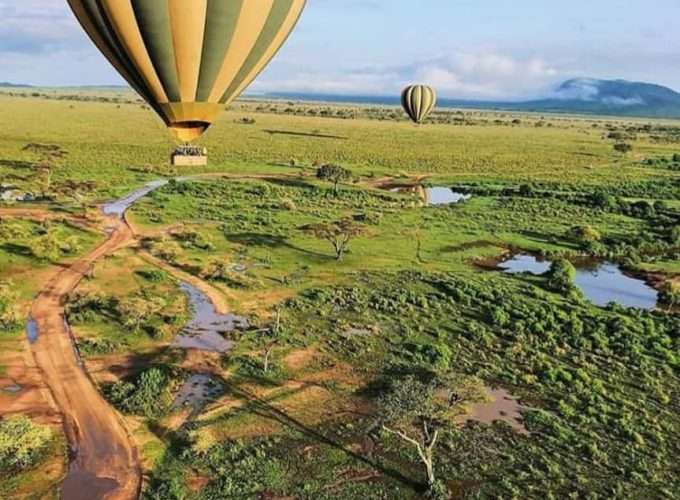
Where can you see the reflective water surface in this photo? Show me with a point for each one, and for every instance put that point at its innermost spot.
(207, 327)
(600, 282)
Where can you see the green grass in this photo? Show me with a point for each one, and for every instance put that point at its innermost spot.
(599, 384)
(129, 144)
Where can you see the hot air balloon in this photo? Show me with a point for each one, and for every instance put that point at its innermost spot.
(418, 102)
(188, 58)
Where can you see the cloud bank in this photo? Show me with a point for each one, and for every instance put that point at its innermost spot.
(468, 75)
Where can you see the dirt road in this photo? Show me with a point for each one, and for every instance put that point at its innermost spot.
(104, 462)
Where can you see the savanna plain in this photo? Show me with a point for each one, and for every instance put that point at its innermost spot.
(303, 319)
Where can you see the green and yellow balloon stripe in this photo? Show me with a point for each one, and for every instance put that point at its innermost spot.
(188, 58)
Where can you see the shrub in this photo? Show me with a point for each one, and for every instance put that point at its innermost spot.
(561, 276)
(22, 443)
(149, 395)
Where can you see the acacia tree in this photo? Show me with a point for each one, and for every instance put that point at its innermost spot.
(137, 309)
(418, 411)
(338, 233)
(333, 173)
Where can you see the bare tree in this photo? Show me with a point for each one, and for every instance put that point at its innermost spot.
(416, 412)
(275, 333)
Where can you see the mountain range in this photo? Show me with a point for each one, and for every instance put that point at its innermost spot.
(579, 95)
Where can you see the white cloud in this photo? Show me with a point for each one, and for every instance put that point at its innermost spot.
(37, 26)
(464, 75)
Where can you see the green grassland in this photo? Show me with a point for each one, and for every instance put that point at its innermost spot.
(128, 140)
(413, 295)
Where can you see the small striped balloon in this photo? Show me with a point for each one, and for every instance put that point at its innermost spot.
(418, 102)
(188, 58)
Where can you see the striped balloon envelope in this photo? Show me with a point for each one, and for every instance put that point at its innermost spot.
(188, 58)
(418, 102)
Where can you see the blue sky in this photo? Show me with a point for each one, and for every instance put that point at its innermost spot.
(480, 49)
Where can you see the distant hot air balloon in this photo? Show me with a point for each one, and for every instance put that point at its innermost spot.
(418, 102)
(188, 58)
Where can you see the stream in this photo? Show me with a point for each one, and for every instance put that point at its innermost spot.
(205, 331)
(119, 207)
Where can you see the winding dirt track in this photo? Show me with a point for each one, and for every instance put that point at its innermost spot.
(104, 462)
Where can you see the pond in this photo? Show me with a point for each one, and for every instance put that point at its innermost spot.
(444, 196)
(196, 391)
(205, 331)
(600, 282)
(433, 196)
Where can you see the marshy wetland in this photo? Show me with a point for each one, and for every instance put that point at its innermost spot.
(553, 391)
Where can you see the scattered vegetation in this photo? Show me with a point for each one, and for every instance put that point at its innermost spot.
(22, 444)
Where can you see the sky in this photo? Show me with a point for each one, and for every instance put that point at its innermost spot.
(467, 49)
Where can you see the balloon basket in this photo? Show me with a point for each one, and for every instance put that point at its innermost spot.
(189, 156)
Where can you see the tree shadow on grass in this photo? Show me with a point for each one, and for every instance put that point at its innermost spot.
(16, 164)
(472, 245)
(290, 182)
(15, 249)
(272, 241)
(265, 409)
(305, 134)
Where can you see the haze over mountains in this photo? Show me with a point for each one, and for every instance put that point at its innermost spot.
(579, 95)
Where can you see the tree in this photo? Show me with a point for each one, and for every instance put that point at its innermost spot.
(135, 310)
(21, 443)
(561, 276)
(417, 412)
(9, 314)
(584, 234)
(48, 156)
(333, 173)
(338, 233)
(12, 230)
(273, 341)
(47, 247)
(623, 148)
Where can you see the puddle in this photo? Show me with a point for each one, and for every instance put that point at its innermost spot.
(32, 330)
(444, 196)
(503, 406)
(12, 389)
(198, 390)
(600, 282)
(119, 207)
(80, 484)
(205, 331)
(433, 196)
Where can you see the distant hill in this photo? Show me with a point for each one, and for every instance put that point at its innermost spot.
(6, 85)
(579, 96)
(609, 97)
